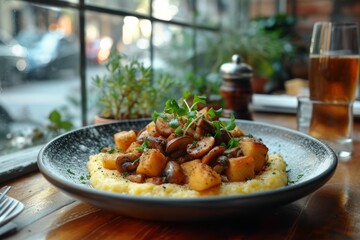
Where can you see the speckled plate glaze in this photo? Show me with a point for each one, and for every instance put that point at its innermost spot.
(311, 163)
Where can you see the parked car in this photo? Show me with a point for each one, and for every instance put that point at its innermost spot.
(12, 60)
(53, 53)
(28, 38)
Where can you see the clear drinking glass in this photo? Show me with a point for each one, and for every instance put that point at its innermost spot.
(315, 122)
(333, 78)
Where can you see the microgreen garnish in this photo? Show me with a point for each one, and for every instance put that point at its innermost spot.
(214, 113)
(143, 146)
(113, 150)
(217, 125)
(178, 131)
(186, 114)
(136, 161)
(172, 106)
(232, 124)
(174, 123)
(224, 125)
(233, 142)
(156, 114)
(189, 123)
(197, 99)
(191, 114)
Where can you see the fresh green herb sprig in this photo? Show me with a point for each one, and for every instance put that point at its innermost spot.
(233, 142)
(114, 150)
(182, 109)
(144, 146)
(224, 125)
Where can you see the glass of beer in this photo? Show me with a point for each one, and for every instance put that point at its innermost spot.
(333, 79)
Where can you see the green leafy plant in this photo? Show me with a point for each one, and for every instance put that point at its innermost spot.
(263, 43)
(129, 90)
(57, 123)
(184, 110)
(207, 85)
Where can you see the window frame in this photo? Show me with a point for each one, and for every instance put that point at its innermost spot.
(25, 161)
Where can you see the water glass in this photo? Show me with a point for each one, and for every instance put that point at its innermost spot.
(333, 79)
(331, 122)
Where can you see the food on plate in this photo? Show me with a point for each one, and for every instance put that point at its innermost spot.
(186, 152)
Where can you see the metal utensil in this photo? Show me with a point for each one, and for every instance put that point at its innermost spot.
(3, 192)
(7, 206)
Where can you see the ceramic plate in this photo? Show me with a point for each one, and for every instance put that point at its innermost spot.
(310, 162)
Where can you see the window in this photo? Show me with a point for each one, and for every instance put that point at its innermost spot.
(50, 51)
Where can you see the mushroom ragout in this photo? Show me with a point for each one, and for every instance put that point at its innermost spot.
(186, 146)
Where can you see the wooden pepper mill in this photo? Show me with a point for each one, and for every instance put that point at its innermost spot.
(236, 88)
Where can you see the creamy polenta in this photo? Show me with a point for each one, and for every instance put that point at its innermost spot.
(273, 176)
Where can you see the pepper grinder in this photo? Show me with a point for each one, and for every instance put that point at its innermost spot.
(236, 88)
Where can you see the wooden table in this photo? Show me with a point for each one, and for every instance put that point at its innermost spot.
(332, 212)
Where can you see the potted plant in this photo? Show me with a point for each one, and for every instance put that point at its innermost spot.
(262, 47)
(129, 90)
(205, 85)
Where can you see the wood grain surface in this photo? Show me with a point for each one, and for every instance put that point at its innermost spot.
(332, 212)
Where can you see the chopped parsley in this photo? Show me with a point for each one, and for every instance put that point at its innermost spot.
(84, 179)
(144, 146)
(297, 179)
(70, 171)
(114, 150)
(135, 161)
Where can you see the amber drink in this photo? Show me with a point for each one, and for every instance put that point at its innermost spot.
(333, 79)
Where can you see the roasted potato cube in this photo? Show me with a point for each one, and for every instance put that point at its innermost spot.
(109, 160)
(203, 177)
(133, 147)
(152, 163)
(256, 149)
(240, 169)
(151, 129)
(123, 139)
(189, 166)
